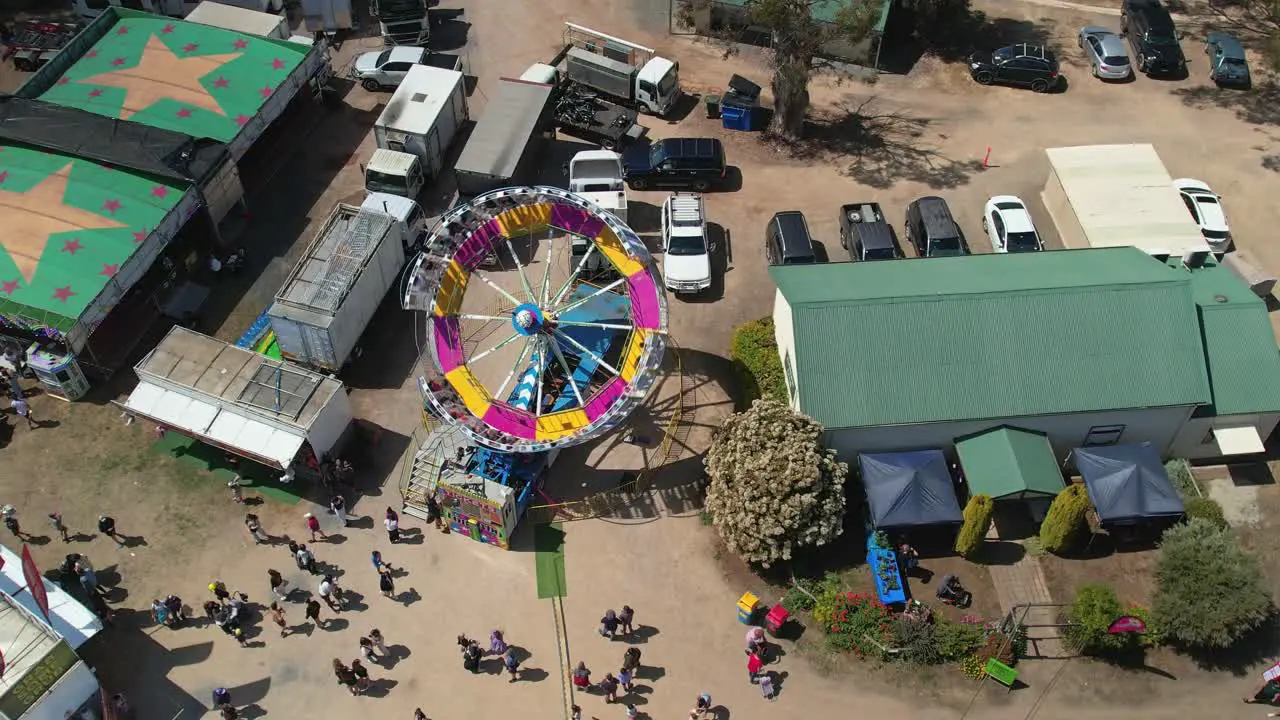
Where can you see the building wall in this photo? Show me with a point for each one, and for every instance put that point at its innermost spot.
(1190, 441)
(719, 15)
(1159, 426)
(784, 334)
(1064, 216)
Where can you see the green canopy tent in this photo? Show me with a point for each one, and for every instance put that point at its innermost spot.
(1008, 463)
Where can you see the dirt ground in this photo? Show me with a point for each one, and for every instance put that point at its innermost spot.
(925, 132)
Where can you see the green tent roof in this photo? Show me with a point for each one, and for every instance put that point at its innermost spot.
(67, 225)
(990, 337)
(186, 77)
(1240, 346)
(1009, 463)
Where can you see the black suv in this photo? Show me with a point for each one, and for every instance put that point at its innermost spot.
(681, 163)
(1032, 66)
(787, 240)
(1153, 37)
(932, 230)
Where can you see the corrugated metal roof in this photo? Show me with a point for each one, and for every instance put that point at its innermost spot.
(992, 337)
(1009, 463)
(1123, 195)
(1240, 346)
(827, 11)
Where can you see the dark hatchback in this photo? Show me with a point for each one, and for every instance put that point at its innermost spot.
(1024, 64)
(680, 163)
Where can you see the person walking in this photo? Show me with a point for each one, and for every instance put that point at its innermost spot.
(21, 407)
(11, 522)
(366, 649)
(392, 522)
(575, 713)
(497, 643)
(254, 526)
(293, 546)
(387, 584)
(219, 590)
(279, 586)
(419, 715)
(89, 581)
(306, 560)
(631, 659)
(625, 620)
(338, 506)
(625, 678)
(313, 614)
(107, 526)
(434, 513)
(375, 637)
(277, 617)
(701, 708)
(362, 675)
(326, 593)
(378, 564)
(511, 663)
(471, 655)
(313, 525)
(237, 495)
(609, 624)
(345, 676)
(59, 527)
(609, 686)
(754, 665)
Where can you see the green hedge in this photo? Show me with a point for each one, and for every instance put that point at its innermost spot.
(1207, 508)
(977, 521)
(1065, 521)
(754, 352)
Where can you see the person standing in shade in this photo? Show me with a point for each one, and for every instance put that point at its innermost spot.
(313, 525)
(107, 526)
(313, 614)
(56, 519)
(392, 522)
(625, 620)
(277, 617)
(339, 508)
(89, 581)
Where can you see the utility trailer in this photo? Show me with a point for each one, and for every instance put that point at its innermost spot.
(34, 42)
(579, 113)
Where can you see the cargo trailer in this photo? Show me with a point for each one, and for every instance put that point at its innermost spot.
(505, 142)
(424, 115)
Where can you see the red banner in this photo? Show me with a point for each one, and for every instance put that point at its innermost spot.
(1127, 624)
(35, 583)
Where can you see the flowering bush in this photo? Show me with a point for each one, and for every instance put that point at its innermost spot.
(855, 622)
(956, 640)
(974, 666)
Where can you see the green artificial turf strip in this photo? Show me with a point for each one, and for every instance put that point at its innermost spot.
(253, 476)
(548, 545)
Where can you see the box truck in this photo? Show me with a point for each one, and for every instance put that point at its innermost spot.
(332, 293)
(423, 116)
(90, 9)
(241, 20)
(634, 74)
(505, 142)
(402, 22)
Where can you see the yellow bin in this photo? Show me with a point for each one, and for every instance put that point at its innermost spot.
(747, 606)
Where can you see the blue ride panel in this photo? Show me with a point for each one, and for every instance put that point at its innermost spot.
(609, 307)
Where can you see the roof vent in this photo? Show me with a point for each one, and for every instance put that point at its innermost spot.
(1195, 259)
(1220, 298)
(418, 97)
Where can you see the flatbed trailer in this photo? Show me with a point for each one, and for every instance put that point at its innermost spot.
(610, 126)
(33, 43)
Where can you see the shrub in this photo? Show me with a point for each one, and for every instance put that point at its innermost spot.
(1206, 509)
(796, 600)
(1209, 593)
(1180, 477)
(857, 622)
(754, 352)
(1094, 609)
(1154, 635)
(1065, 520)
(998, 646)
(957, 640)
(974, 666)
(773, 486)
(918, 641)
(977, 521)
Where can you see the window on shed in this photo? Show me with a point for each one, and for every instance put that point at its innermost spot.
(1103, 435)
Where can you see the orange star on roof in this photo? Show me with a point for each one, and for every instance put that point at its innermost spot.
(32, 216)
(161, 74)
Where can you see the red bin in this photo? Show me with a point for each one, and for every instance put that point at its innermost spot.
(776, 618)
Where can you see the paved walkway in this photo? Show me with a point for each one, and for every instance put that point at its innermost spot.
(1022, 583)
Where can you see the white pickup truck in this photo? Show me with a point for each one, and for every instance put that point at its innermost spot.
(687, 252)
(597, 176)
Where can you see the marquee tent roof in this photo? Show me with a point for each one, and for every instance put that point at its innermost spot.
(1127, 483)
(907, 489)
(1009, 463)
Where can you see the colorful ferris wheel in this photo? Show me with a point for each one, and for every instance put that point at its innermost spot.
(546, 319)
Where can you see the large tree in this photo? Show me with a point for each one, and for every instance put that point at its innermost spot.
(797, 45)
(1254, 21)
(774, 488)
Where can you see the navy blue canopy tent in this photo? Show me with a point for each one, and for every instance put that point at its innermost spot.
(909, 489)
(1127, 483)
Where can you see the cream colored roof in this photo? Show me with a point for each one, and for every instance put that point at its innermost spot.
(1122, 195)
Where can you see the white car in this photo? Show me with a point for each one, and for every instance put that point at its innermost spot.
(1008, 224)
(1206, 209)
(386, 68)
(686, 266)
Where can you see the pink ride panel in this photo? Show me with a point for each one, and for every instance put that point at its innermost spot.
(645, 312)
(474, 249)
(600, 404)
(567, 217)
(448, 338)
(511, 421)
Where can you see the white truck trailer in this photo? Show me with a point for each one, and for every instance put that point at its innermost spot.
(241, 20)
(597, 176)
(424, 115)
(328, 300)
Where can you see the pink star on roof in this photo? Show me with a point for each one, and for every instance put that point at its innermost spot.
(118, 61)
(189, 47)
(9, 287)
(265, 92)
(221, 82)
(91, 54)
(63, 80)
(112, 206)
(72, 246)
(140, 236)
(63, 293)
(4, 175)
(123, 30)
(159, 191)
(240, 44)
(168, 28)
(277, 64)
(184, 113)
(96, 92)
(110, 270)
(242, 119)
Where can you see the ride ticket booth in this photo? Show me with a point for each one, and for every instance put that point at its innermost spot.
(269, 411)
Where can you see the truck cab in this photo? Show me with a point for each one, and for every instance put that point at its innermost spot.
(658, 86)
(597, 176)
(686, 250)
(402, 22)
(410, 221)
(394, 173)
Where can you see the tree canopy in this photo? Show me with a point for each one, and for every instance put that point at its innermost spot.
(774, 488)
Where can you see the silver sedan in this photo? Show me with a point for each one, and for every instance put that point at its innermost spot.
(1106, 54)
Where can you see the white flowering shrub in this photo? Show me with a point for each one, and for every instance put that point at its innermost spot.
(773, 486)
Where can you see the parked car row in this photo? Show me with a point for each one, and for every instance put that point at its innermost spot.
(1152, 37)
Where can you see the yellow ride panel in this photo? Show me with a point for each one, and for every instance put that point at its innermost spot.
(631, 359)
(525, 219)
(473, 394)
(557, 425)
(453, 285)
(609, 244)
